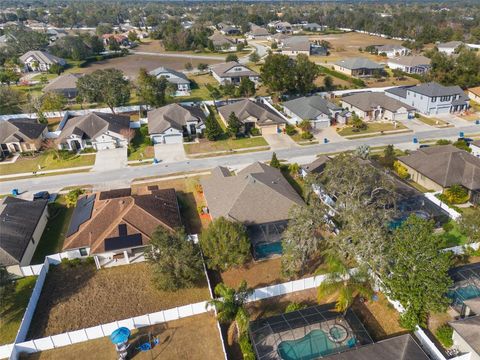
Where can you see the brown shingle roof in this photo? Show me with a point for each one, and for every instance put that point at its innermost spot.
(446, 165)
(249, 111)
(370, 100)
(173, 116)
(94, 124)
(475, 90)
(222, 68)
(140, 215)
(63, 82)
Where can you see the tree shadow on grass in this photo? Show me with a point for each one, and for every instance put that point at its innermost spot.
(188, 210)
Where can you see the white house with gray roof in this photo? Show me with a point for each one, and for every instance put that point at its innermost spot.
(170, 123)
(36, 60)
(417, 64)
(449, 48)
(360, 67)
(319, 111)
(431, 98)
(392, 51)
(178, 79)
(233, 72)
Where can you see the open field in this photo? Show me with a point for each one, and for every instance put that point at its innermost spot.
(12, 308)
(195, 337)
(205, 146)
(79, 296)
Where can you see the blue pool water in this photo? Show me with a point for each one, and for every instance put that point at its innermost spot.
(464, 293)
(312, 346)
(265, 250)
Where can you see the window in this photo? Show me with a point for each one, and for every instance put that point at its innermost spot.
(83, 252)
(33, 241)
(434, 99)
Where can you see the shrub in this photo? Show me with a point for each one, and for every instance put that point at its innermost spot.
(448, 226)
(307, 135)
(246, 347)
(400, 170)
(444, 334)
(254, 132)
(72, 197)
(462, 145)
(294, 306)
(456, 194)
(290, 130)
(443, 142)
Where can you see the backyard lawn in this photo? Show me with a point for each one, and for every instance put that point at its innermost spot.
(371, 128)
(195, 337)
(79, 296)
(12, 308)
(205, 146)
(53, 236)
(141, 146)
(46, 161)
(453, 237)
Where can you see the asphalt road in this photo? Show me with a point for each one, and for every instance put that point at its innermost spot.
(123, 177)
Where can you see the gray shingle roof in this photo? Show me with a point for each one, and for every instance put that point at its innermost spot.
(389, 47)
(219, 39)
(399, 91)
(18, 221)
(94, 124)
(258, 194)
(249, 111)
(415, 60)
(63, 82)
(20, 130)
(434, 89)
(42, 57)
(297, 43)
(317, 165)
(358, 63)
(222, 68)
(173, 115)
(370, 100)
(446, 165)
(160, 71)
(450, 44)
(469, 330)
(311, 107)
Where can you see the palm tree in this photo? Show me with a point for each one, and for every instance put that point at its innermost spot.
(230, 308)
(339, 279)
(305, 125)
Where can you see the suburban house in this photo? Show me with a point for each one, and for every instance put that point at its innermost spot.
(96, 130)
(55, 34)
(177, 78)
(431, 98)
(283, 27)
(316, 166)
(233, 72)
(439, 167)
(36, 60)
(475, 146)
(293, 46)
(221, 42)
(361, 67)
(254, 115)
(120, 39)
(257, 32)
(229, 29)
(373, 106)
(116, 226)
(474, 94)
(392, 51)
(313, 27)
(416, 64)
(449, 48)
(21, 135)
(465, 336)
(170, 123)
(22, 227)
(65, 84)
(257, 196)
(319, 111)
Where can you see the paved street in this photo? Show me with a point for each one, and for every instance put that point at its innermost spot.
(301, 154)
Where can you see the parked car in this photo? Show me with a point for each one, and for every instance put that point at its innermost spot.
(45, 195)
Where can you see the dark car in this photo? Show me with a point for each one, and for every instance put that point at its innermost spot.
(42, 195)
(423, 146)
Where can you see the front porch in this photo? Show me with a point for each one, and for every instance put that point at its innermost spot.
(126, 257)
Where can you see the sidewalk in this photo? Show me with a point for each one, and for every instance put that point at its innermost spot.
(31, 174)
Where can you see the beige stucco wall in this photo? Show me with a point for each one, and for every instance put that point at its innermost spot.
(474, 97)
(464, 347)
(343, 70)
(422, 180)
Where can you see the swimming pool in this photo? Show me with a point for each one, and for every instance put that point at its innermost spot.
(265, 250)
(463, 293)
(312, 346)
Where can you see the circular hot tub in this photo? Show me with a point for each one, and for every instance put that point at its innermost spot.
(337, 333)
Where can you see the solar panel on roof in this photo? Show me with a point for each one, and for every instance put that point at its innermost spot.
(81, 213)
(124, 240)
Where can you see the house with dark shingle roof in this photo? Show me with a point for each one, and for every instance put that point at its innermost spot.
(233, 72)
(97, 130)
(64, 84)
(431, 98)
(257, 32)
(258, 196)
(36, 60)
(222, 42)
(358, 66)
(439, 167)
(176, 78)
(466, 335)
(295, 45)
(318, 110)
(170, 123)
(21, 227)
(316, 166)
(21, 135)
(117, 225)
(254, 114)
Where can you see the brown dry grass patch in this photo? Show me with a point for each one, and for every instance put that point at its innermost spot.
(175, 343)
(77, 297)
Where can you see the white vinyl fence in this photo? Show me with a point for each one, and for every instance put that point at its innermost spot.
(451, 212)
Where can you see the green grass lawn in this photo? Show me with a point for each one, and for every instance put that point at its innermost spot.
(431, 121)
(206, 146)
(12, 308)
(453, 237)
(371, 128)
(140, 146)
(47, 162)
(52, 238)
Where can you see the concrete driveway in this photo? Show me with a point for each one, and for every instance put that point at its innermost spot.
(112, 159)
(168, 153)
(279, 141)
(329, 133)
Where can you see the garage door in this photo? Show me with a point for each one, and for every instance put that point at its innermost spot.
(268, 130)
(173, 139)
(105, 145)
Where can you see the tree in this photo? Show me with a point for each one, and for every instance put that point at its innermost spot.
(456, 194)
(304, 236)
(188, 66)
(225, 243)
(306, 72)
(107, 86)
(72, 197)
(274, 162)
(7, 287)
(103, 29)
(10, 100)
(328, 83)
(231, 57)
(254, 57)
(202, 66)
(230, 307)
(150, 90)
(278, 73)
(9, 76)
(246, 87)
(418, 271)
(362, 152)
(233, 124)
(52, 101)
(389, 157)
(132, 36)
(469, 224)
(357, 123)
(305, 125)
(340, 279)
(176, 260)
(213, 130)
